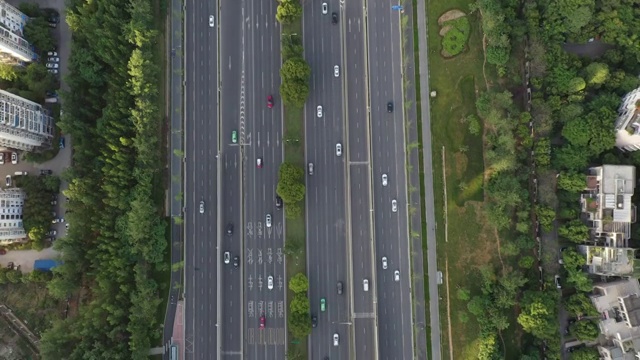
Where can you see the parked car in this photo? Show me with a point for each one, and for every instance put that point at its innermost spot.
(7, 180)
(54, 60)
(14, 158)
(52, 65)
(279, 202)
(52, 53)
(45, 172)
(53, 71)
(61, 142)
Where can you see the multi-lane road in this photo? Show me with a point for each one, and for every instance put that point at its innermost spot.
(350, 222)
(201, 181)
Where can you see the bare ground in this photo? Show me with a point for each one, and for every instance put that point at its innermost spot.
(450, 15)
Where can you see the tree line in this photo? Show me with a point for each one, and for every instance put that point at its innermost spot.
(116, 240)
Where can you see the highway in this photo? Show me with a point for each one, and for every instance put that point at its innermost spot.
(260, 132)
(201, 147)
(389, 157)
(230, 26)
(325, 198)
(359, 202)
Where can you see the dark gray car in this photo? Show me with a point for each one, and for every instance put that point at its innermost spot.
(340, 287)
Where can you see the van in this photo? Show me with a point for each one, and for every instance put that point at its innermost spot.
(21, 173)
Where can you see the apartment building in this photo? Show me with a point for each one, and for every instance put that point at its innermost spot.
(606, 204)
(619, 306)
(11, 228)
(24, 124)
(13, 46)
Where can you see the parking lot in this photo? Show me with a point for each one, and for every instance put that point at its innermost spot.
(25, 258)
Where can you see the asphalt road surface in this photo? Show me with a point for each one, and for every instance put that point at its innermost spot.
(201, 147)
(230, 22)
(388, 157)
(261, 133)
(359, 183)
(325, 198)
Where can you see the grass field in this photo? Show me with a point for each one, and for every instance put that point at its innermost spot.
(470, 242)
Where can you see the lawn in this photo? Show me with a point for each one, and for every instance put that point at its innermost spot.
(470, 242)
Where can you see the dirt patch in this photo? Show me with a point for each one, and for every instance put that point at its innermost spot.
(450, 15)
(484, 250)
(461, 161)
(445, 29)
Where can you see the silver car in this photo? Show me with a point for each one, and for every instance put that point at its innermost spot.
(385, 180)
(212, 21)
(336, 339)
(384, 262)
(325, 8)
(319, 111)
(270, 282)
(268, 220)
(336, 71)
(338, 149)
(394, 205)
(396, 275)
(227, 257)
(201, 206)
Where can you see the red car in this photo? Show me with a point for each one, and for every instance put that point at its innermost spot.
(269, 101)
(262, 321)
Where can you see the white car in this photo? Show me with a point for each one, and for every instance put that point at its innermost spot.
(319, 111)
(365, 284)
(52, 66)
(14, 158)
(336, 339)
(202, 207)
(268, 220)
(53, 71)
(52, 53)
(53, 59)
(325, 8)
(212, 21)
(227, 257)
(55, 221)
(270, 282)
(338, 149)
(384, 262)
(396, 275)
(394, 205)
(336, 71)
(7, 180)
(385, 179)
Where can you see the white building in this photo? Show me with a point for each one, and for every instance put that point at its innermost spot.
(13, 46)
(619, 306)
(24, 125)
(11, 228)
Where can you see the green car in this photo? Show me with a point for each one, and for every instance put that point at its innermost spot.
(234, 136)
(323, 304)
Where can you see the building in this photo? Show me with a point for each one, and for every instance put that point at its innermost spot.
(610, 260)
(13, 47)
(619, 305)
(11, 228)
(606, 204)
(24, 125)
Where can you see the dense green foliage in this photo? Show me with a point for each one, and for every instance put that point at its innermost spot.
(291, 188)
(37, 210)
(117, 235)
(299, 308)
(288, 11)
(454, 41)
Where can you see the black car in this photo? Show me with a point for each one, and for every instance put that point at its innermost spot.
(340, 287)
(334, 18)
(314, 321)
(236, 261)
(230, 229)
(278, 202)
(46, 172)
(390, 107)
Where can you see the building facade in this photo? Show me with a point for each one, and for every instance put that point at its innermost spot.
(11, 204)
(24, 124)
(619, 306)
(13, 46)
(606, 204)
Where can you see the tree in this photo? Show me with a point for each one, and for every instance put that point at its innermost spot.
(538, 315)
(526, 262)
(300, 304)
(37, 33)
(295, 69)
(571, 181)
(463, 294)
(294, 93)
(574, 230)
(38, 80)
(546, 217)
(585, 353)
(299, 283)
(579, 304)
(288, 11)
(8, 72)
(573, 260)
(290, 186)
(596, 73)
(579, 280)
(585, 330)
